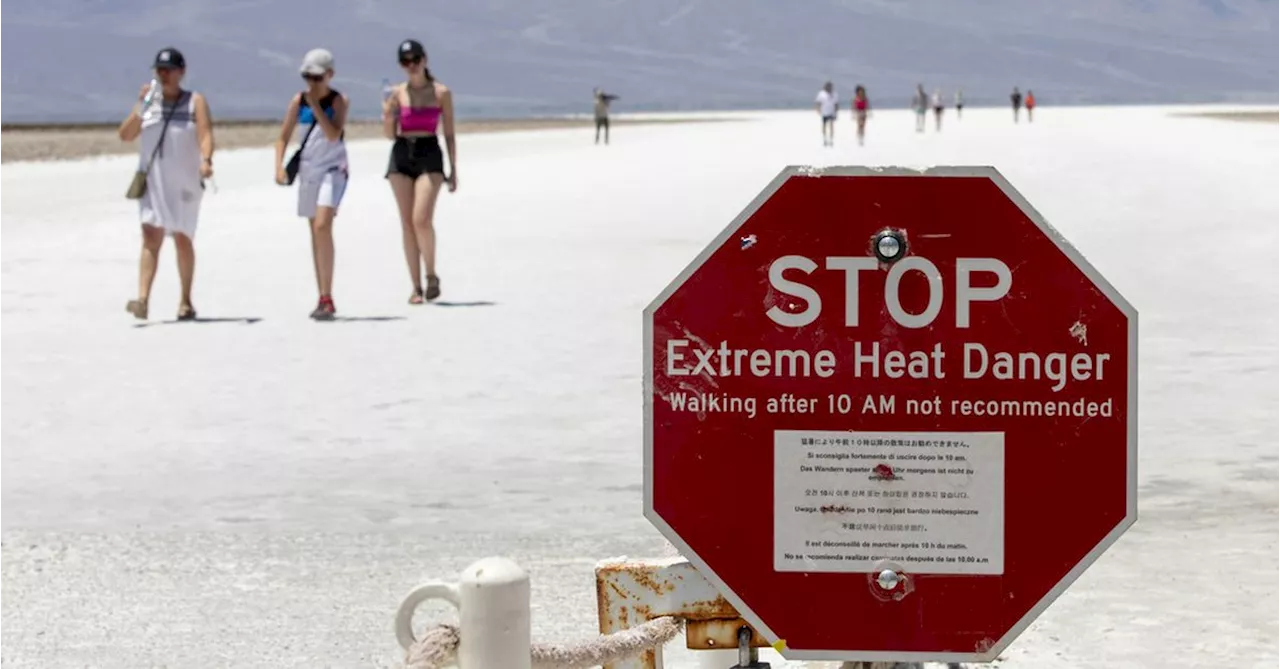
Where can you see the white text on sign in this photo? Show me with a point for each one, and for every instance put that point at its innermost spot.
(965, 292)
(871, 361)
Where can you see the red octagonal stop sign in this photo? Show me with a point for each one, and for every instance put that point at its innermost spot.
(890, 414)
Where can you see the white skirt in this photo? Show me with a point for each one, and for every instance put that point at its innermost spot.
(171, 203)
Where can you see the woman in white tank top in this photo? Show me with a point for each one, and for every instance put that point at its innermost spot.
(176, 152)
(318, 114)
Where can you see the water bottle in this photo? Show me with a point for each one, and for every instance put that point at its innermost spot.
(387, 89)
(151, 94)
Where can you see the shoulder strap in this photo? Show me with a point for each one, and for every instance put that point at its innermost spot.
(302, 100)
(165, 127)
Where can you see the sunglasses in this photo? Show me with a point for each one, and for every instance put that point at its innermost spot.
(406, 62)
(313, 77)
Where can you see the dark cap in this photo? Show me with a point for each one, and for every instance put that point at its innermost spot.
(170, 58)
(411, 48)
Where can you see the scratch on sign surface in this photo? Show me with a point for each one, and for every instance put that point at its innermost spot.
(1080, 332)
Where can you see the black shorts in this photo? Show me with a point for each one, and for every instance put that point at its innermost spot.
(416, 156)
(602, 122)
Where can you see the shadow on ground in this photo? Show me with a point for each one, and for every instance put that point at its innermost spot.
(474, 303)
(365, 319)
(248, 320)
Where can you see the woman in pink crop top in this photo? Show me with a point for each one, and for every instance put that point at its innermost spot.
(413, 116)
(861, 105)
(419, 120)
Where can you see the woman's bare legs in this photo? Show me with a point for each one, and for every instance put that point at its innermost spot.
(322, 249)
(186, 270)
(425, 191)
(402, 188)
(152, 241)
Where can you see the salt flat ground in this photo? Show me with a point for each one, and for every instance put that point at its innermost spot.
(260, 494)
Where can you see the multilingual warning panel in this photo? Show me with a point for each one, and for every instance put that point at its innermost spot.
(848, 501)
(890, 414)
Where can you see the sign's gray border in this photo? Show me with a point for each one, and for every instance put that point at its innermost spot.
(1114, 295)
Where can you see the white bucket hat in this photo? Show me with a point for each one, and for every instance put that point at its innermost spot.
(317, 61)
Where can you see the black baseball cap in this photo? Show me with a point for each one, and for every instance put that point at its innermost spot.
(170, 58)
(411, 48)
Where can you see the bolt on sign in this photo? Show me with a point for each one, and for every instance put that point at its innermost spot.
(890, 414)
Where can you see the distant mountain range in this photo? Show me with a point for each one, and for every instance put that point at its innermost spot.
(83, 60)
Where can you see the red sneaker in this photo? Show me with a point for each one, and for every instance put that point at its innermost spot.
(324, 311)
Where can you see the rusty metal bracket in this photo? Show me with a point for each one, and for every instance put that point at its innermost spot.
(719, 633)
(631, 591)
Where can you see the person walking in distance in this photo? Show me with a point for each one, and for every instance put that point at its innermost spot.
(959, 103)
(1016, 99)
(1031, 105)
(827, 104)
(601, 108)
(319, 113)
(413, 115)
(920, 103)
(937, 109)
(861, 105)
(174, 157)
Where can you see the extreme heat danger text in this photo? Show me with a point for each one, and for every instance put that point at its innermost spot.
(972, 360)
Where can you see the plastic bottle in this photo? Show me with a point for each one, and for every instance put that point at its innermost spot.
(387, 89)
(151, 94)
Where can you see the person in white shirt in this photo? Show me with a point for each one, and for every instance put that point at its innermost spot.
(959, 103)
(920, 103)
(827, 104)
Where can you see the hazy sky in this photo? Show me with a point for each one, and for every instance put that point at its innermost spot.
(84, 59)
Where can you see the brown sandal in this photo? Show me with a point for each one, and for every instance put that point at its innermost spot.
(186, 312)
(416, 297)
(433, 287)
(138, 308)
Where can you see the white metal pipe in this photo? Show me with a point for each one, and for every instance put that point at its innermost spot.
(492, 598)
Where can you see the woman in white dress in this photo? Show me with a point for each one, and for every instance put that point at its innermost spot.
(176, 152)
